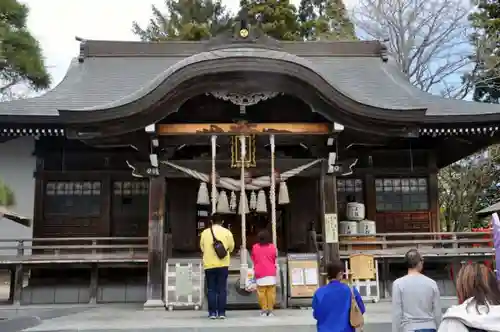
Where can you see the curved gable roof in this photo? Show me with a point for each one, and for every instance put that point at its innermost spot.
(107, 78)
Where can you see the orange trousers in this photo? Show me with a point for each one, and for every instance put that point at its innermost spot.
(267, 297)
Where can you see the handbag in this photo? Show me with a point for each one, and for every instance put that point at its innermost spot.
(219, 248)
(355, 316)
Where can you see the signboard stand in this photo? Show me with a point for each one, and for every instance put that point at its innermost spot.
(362, 272)
(303, 279)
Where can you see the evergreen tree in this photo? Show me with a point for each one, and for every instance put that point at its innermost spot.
(21, 58)
(339, 26)
(185, 20)
(307, 18)
(325, 20)
(486, 39)
(277, 18)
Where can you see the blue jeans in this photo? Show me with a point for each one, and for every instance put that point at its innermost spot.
(217, 290)
(426, 330)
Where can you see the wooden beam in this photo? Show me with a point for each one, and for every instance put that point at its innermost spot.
(244, 128)
(204, 140)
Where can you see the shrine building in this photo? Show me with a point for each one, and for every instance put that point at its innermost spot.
(141, 142)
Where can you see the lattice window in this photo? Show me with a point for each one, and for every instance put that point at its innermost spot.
(402, 194)
(131, 188)
(129, 208)
(348, 189)
(75, 198)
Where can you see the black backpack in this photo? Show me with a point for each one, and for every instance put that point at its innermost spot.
(219, 248)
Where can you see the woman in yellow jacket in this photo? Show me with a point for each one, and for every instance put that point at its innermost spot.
(216, 269)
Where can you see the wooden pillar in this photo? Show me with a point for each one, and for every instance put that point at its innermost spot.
(328, 208)
(370, 197)
(18, 278)
(18, 284)
(93, 288)
(433, 186)
(157, 190)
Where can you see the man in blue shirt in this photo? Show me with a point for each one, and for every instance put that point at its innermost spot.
(332, 302)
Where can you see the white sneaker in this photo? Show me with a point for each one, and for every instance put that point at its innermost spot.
(263, 314)
(222, 317)
(270, 314)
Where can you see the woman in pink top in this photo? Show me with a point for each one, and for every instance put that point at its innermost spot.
(264, 262)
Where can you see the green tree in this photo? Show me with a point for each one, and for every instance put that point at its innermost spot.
(185, 20)
(468, 186)
(307, 18)
(338, 24)
(6, 195)
(325, 20)
(277, 18)
(486, 74)
(21, 58)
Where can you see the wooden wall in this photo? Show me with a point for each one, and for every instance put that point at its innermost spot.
(94, 194)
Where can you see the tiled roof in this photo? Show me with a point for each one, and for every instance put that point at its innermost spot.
(109, 74)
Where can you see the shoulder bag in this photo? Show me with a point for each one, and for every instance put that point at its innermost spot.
(219, 248)
(355, 316)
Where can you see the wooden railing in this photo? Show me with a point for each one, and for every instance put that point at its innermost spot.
(134, 249)
(73, 250)
(429, 244)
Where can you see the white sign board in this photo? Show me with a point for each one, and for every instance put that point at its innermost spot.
(331, 228)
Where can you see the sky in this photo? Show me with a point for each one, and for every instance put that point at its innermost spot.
(55, 23)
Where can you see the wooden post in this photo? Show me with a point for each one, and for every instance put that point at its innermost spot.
(328, 208)
(157, 190)
(435, 225)
(18, 276)
(94, 275)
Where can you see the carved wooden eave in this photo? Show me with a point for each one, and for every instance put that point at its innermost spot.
(30, 130)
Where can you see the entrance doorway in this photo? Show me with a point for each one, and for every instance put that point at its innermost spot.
(255, 222)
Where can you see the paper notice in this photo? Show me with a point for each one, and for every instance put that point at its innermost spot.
(311, 276)
(331, 230)
(297, 277)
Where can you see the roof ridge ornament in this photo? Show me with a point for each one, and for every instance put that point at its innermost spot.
(84, 49)
(384, 49)
(243, 34)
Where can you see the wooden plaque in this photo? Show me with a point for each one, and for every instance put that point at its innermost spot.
(362, 266)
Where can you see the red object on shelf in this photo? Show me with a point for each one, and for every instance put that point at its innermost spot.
(486, 236)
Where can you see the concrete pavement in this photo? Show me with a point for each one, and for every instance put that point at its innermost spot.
(127, 318)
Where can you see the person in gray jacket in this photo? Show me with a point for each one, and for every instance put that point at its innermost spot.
(416, 305)
(479, 298)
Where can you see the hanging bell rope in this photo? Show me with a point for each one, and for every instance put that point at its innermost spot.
(243, 202)
(214, 184)
(272, 191)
